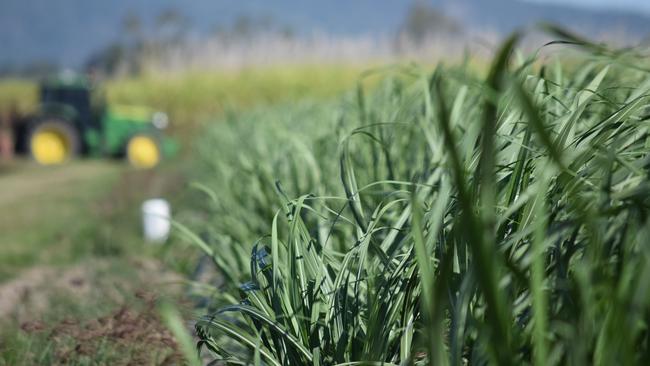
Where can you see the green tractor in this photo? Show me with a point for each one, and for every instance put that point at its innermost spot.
(73, 119)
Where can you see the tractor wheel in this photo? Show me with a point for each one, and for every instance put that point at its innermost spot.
(143, 151)
(53, 142)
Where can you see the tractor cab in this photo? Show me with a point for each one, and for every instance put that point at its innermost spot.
(69, 92)
(74, 119)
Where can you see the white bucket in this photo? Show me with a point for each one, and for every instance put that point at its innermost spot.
(156, 215)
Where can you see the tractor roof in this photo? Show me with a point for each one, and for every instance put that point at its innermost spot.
(67, 79)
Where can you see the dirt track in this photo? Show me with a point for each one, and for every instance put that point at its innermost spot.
(29, 294)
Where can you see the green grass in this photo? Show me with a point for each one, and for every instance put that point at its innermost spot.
(63, 214)
(107, 316)
(45, 223)
(71, 253)
(444, 218)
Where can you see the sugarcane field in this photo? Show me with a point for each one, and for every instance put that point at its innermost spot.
(336, 183)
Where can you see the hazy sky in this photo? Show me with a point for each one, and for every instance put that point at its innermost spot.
(620, 4)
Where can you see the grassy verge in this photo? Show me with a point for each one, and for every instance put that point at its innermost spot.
(97, 311)
(45, 223)
(77, 283)
(62, 214)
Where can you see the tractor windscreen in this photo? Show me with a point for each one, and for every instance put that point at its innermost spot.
(76, 97)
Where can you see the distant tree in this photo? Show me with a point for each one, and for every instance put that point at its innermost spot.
(287, 32)
(31, 70)
(247, 26)
(125, 55)
(243, 27)
(423, 20)
(109, 60)
(171, 26)
(138, 45)
(132, 26)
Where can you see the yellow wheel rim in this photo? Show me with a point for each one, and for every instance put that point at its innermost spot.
(142, 152)
(50, 147)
